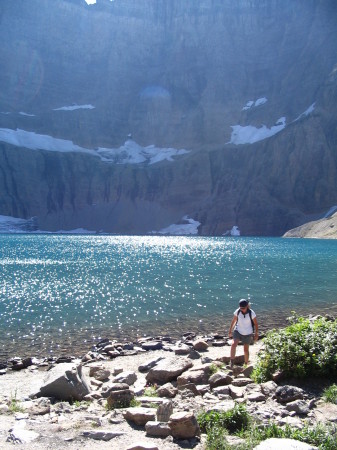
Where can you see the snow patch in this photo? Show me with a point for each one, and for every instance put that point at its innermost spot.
(233, 232)
(250, 134)
(306, 112)
(255, 103)
(129, 153)
(189, 227)
(26, 114)
(73, 107)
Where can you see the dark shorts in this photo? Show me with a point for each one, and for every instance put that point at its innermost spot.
(244, 338)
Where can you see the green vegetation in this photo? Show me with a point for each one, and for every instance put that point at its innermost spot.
(14, 405)
(303, 349)
(233, 420)
(150, 392)
(330, 394)
(237, 421)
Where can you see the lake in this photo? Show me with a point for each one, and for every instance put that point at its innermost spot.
(59, 294)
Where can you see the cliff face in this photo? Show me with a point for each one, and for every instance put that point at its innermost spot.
(249, 88)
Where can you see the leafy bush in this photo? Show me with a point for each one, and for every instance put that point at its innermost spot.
(233, 420)
(304, 348)
(330, 394)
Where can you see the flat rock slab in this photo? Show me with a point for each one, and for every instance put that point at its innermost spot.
(102, 435)
(168, 369)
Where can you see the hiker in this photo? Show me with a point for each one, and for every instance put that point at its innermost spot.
(243, 327)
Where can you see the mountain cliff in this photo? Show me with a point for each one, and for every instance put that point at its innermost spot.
(126, 116)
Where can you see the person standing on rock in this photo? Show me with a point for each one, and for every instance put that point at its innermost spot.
(243, 328)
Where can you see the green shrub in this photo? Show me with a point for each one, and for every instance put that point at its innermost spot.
(330, 394)
(302, 349)
(150, 391)
(233, 420)
(324, 437)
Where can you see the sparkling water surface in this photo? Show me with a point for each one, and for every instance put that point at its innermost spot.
(61, 293)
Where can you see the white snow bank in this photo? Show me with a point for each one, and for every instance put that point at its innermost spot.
(73, 107)
(252, 103)
(190, 227)
(306, 112)
(250, 134)
(129, 153)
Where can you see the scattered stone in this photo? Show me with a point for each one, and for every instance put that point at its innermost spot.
(164, 411)
(286, 394)
(299, 407)
(107, 389)
(143, 446)
(139, 415)
(99, 373)
(220, 379)
(149, 364)
(196, 376)
(120, 398)
(200, 345)
(126, 377)
(167, 390)
(269, 388)
(65, 382)
(157, 429)
(182, 349)
(184, 425)
(19, 435)
(282, 444)
(241, 381)
(168, 369)
(102, 435)
(152, 345)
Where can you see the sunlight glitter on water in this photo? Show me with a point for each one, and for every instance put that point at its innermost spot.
(77, 287)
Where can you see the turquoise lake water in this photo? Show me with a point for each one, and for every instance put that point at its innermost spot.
(61, 293)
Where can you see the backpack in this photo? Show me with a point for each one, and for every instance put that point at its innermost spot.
(250, 315)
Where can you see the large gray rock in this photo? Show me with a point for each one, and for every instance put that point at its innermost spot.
(168, 369)
(283, 444)
(65, 382)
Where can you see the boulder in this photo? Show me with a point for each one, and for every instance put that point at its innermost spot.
(139, 415)
(65, 382)
(99, 373)
(168, 369)
(184, 425)
(269, 388)
(182, 349)
(282, 444)
(152, 345)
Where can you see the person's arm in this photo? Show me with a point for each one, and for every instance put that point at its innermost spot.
(256, 334)
(235, 319)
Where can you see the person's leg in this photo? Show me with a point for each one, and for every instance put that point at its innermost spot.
(246, 351)
(233, 350)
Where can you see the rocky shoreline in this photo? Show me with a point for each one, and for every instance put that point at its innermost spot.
(120, 395)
